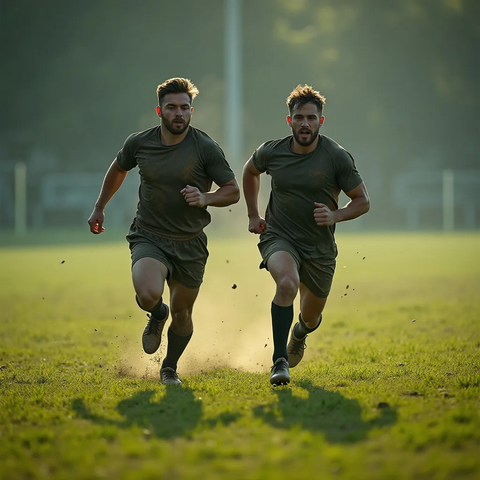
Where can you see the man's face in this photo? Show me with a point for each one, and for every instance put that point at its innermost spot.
(305, 122)
(175, 112)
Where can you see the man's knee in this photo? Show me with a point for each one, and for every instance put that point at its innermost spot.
(148, 299)
(287, 287)
(182, 323)
(182, 314)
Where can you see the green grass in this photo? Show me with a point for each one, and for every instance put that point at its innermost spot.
(389, 387)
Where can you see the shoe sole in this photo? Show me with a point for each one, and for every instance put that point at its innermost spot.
(278, 382)
(172, 383)
(293, 365)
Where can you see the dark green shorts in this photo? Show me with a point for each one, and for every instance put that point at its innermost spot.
(184, 259)
(316, 274)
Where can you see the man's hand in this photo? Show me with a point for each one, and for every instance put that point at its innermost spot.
(194, 197)
(324, 217)
(96, 222)
(256, 225)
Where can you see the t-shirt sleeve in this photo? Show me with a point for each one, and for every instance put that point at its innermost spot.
(216, 165)
(347, 174)
(259, 158)
(126, 156)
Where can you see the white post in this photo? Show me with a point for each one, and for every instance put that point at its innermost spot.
(20, 198)
(233, 82)
(448, 195)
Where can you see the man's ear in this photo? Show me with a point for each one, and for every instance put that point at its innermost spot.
(289, 120)
(159, 112)
(322, 119)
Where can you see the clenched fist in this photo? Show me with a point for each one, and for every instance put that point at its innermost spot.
(193, 196)
(324, 217)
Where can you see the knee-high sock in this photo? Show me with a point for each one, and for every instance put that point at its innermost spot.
(158, 311)
(176, 346)
(282, 318)
(301, 330)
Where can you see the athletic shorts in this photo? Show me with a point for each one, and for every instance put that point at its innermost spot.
(184, 259)
(315, 274)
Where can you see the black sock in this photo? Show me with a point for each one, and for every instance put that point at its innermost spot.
(176, 345)
(301, 330)
(282, 318)
(158, 311)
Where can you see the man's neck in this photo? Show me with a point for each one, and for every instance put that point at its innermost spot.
(168, 138)
(302, 149)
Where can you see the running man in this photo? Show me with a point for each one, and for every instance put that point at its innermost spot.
(297, 242)
(177, 164)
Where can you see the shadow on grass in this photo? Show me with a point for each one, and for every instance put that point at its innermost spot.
(339, 418)
(177, 414)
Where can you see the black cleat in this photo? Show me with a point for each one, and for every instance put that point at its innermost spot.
(152, 335)
(280, 374)
(295, 349)
(169, 376)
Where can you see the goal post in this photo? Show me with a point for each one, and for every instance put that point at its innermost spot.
(448, 196)
(20, 198)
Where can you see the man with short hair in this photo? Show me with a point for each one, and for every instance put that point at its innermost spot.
(297, 242)
(177, 164)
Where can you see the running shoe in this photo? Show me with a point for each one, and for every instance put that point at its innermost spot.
(169, 376)
(279, 373)
(152, 335)
(296, 349)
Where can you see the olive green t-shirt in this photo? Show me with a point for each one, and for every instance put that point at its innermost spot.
(164, 171)
(299, 180)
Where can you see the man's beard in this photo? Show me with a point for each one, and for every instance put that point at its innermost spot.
(305, 143)
(174, 130)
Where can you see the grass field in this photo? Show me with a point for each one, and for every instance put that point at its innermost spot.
(389, 387)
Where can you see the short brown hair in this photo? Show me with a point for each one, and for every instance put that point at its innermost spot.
(303, 94)
(177, 85)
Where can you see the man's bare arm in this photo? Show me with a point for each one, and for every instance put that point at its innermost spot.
(111, 183)
(227, 194)
(251, 188)
(358, 205)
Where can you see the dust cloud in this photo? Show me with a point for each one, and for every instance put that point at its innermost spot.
(247, 348)
(231, 320)
(226, 341)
